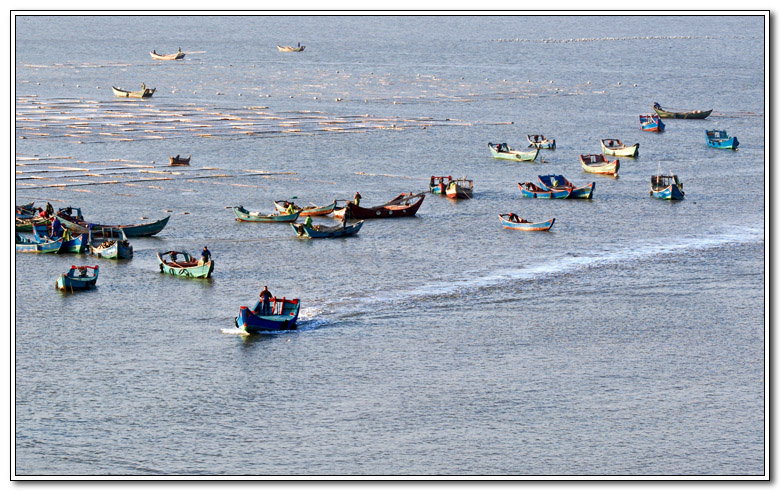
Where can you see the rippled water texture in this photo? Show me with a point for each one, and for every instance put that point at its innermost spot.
(627, 340)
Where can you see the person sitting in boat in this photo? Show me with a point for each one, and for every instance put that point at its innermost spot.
(513, 217)
(143, 85)
(174, 256)
(291, 209)
(265, 296)
(56, 228)
(656, 105)
(205, 255)
(179, 50)
(345, 219)
(357, 198)
(307, 222)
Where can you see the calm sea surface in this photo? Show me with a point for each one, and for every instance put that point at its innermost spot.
(630, 339)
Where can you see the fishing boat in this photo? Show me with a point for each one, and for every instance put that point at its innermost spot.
(460, 189)
(557, 182)
(80, 226)
(177, 160)
(322, 232)
(531, 190)
(721, 139)
(26, 210)
(25, 244)
(510, 220)
(27, 224)
(666, 187)
(282, 316)
(78, 278)
(438, 184)
(598, 164)
(539, 141)
(612, 146)
(290, 49)
(173, 56)
(244, 215)
(186, 266)
(113, 246)
(139, 94)
(504, 151)
(306, 211)
(679, 114)
(74, 245)
(651, 122)
(403, 205)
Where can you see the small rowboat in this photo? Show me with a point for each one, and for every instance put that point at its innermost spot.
(403, 205)
(27, 224)
(680, 114)
(187, 266)
(598, 164)
(322, 232)
(290, 49)
(721, 139)
(460, 189)
(651, 122)
(75, 245)
(244, 215)
(557, 181)
(282, 317)
(539, 141)
(612, 146)
(113, 246)
(139, 94)
(78, 278)
(504, 151)
(180, 160)
(438, 184)
(306, 211)
(510, 220)
(24, 244)
(80, 226)
(666, 187)
(531, 190)
(174, 56)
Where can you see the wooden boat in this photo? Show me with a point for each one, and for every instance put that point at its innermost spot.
(403, 205)
(504, 151)
(75, 245)
(460, 189)
(651, 122)
(26, 210)
(187, 266)
(438, 184)
(721, 139)
(680, 114)
(113, 246)
(531, 190)
(612, 146)
(173, 56)
(27, 224)
(139, 94)
(510, 220)
(322, 232)
(180, 160)
(79, 226)
(557, 182)
(78, 278)
(306, 211)
(25, 244)
(539, 141)
(244, 215)
(598, 164)
(666, 187)
(283, 316)
(290, 49)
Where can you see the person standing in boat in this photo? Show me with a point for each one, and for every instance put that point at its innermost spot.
(357, 198)
(291, 209)
(56, 228)
(307, 222)
(205, 255)
(265, 297)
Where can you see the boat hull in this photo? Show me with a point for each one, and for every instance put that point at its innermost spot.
(671, 192)
(631, 151)
(357, 212)
(514, 154)
(541, 143)
(597, 164)
(138, 230)
(456, 190)
(682, 114)
(290, 49)
(284, 319)
(530, 190)
(243, 215)
(48, 247)
(200, 271)
(174, 56)
(75, 245)
(326, 232)
(584, 192)
(308, 211)
(527, 226)
(71, 281)
(718, 139)
(651, 123)
(138, 94)
(117, 250)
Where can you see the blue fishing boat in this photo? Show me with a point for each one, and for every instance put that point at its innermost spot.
(558, 182)
(438, 184)
(78, 278)
(514, 222)
(322, 232)
(721, 139)
(79, 226)
(25, 244)
(666, 187)
(74, 245)
(651, 122)
(539, 141)
(186, 266)
(531, 190)
(113, 246)
(282, 316)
